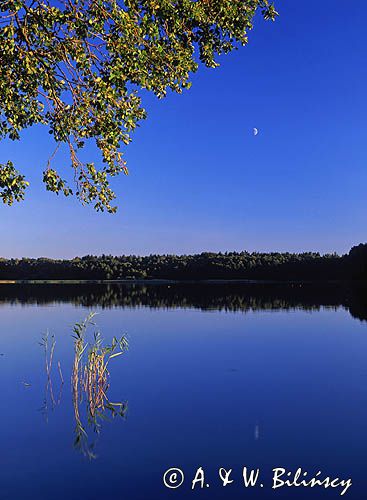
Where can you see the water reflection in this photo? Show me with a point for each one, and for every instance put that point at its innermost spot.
(205, 389)
(90, 382)
(205, 296)
(48, 343)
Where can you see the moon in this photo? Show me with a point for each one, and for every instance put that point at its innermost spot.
(255, 131)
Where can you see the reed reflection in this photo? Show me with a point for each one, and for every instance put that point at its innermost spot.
(90, 383)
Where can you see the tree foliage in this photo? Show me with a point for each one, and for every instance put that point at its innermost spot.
(207, 265)
(76, 66)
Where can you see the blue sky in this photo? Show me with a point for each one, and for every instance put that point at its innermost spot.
(199, 180)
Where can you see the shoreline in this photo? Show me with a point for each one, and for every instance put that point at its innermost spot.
(180, 282)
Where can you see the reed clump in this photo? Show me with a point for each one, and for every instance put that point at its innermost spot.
(91, 381)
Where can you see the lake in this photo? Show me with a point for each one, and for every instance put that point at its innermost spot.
(216, 376)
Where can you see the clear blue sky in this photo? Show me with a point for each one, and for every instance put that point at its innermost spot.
(200, 180)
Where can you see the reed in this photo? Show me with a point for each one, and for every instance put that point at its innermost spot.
(96, 374)
(90, 379)
(49, 349)
(48, 342)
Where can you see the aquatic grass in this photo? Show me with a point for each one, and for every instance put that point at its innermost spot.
(80, 345)
(49, 343)
(49, 349)
(60, 372)
(81, 441)
(90, 378)
(96, 374)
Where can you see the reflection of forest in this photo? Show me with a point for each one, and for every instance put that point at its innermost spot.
(205, 296)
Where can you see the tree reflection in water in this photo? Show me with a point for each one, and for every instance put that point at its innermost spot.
(228, 296)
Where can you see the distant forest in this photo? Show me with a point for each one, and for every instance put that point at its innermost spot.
(204, 266)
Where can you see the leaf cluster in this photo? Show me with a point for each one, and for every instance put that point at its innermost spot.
(76, 66)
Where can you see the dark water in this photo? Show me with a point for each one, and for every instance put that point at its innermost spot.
(215, 376)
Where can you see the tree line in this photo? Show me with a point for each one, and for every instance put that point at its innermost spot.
(204, 266)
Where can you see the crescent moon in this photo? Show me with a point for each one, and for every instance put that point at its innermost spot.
(255, 131)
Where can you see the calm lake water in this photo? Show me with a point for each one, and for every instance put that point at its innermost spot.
(229, 376)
